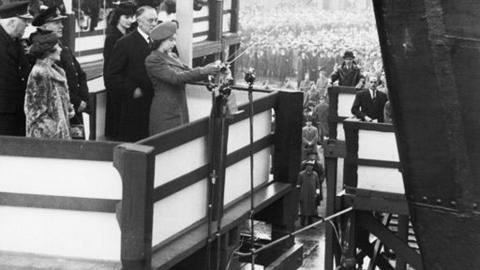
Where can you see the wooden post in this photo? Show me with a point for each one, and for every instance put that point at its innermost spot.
(185, 31)
(331, 164)
(215, 22)
(135, 163)
(401, 263)
(287, 157)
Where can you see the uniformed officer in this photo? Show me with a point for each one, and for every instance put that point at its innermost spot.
(51, 20)
(14, 67)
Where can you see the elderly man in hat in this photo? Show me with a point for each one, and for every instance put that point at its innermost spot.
(51, 20)
(128, 76)
(14, 18)
(348, 74)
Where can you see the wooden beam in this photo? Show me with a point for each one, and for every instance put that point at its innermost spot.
(401, 248)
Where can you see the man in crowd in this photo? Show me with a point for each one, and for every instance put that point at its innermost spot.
(309, 137)
(51, 20)
(320, 118)
(348, 74)
(15, 67)
(129, 77)
(369, 103)
(308, 185)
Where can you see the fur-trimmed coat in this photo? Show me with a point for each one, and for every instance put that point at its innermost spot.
(47, 102)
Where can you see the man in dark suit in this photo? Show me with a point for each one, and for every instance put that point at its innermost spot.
(52, 20)
(14, 67)
(348, 74)
(369, 103)
(128, 76)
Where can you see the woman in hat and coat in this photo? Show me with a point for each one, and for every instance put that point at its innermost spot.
(119, 23)
(47, 102)
(169, 76)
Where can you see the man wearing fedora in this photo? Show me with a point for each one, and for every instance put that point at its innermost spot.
(52, 20)
(349, 73)
(14, 18)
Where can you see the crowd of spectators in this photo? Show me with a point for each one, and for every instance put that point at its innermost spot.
(300, 37)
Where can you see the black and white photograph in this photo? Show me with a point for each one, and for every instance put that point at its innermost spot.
(239, 135)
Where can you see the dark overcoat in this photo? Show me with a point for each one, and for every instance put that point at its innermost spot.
(347, 76)
(308, 184)
(76, 80)
(14, 70)
(169, 104)
(126, 70)
(112, 114)
(364, 105)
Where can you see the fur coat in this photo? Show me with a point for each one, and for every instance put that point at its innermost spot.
(47, 102)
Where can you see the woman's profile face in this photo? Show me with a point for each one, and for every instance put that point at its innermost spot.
(168, 44)
(126, 21)
(55, 55)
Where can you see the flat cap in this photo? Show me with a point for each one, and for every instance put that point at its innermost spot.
(43, 42)
(163, 31)
(15, 9)
(50, 14)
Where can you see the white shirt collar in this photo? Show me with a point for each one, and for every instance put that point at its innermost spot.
(371, 92)
(143, 34)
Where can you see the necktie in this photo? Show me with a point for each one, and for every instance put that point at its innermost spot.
(374, 94)
(150, 42)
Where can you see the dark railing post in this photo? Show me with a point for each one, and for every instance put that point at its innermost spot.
(350, 177)
(287, 157)
(332, 112)
(135, 164)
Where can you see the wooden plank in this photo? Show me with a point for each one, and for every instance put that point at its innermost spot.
(165, 257)
(135, 164)
(291, 259)
(193, 177)
(378, 163)
(376, 204)
(51, 148)
(177, 136)
(401, 248)
(58, 202)
(356, 125)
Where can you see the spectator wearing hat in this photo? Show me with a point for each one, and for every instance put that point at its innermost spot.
(128, 76)
(308, 184)
(47, 103)
(349, 73)
(119, 24)
(52, 20)
(309, 137)
(14, 18)
(320, 118)
(369, 103)
(168, 76)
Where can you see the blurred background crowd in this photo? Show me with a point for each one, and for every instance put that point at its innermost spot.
(290, 38)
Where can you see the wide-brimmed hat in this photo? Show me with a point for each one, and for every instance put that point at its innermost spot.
(43, 42)
(50, 14)
(348, 54)
(163, 31)
(15, 9)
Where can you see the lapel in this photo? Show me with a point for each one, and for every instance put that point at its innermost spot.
(138, 39)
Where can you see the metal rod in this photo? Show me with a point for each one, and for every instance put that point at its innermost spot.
(252, 184)
(279, 240)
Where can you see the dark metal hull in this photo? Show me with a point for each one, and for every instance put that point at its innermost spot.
(431, 53)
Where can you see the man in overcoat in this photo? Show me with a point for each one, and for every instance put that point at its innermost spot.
(51, 20)
(14, 67)
(308, 184)
(369, 103)
(128, 76)
(348, 74)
